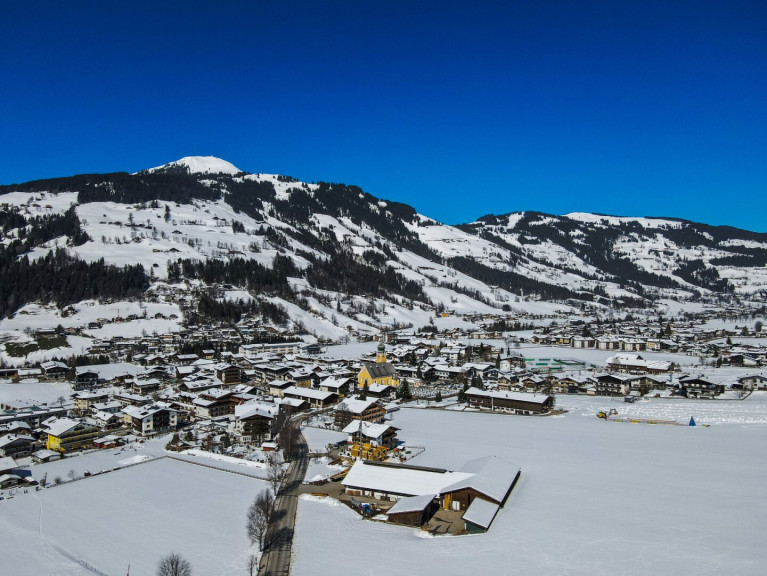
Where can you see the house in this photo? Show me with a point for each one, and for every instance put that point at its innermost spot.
(86, 377)
(15, 445)
(511, 402)
(7, 465)
(489, 478)
(84, 401)
(370, 441)
(335, 384)
(66, 434)
(277, 387)
(700, 387)
(315, 398)
(355, 409)
(54, 370)
(612, 384)
(379, 372)
(149, 420)
(635, 363)
(253, 421)
(753, 382)
(229, 374)
(213, 403)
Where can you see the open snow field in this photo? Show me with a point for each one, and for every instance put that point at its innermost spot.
(134, 516)
(33, 393)
(594, 498)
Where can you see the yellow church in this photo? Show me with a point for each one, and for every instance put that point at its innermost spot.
(380, 372)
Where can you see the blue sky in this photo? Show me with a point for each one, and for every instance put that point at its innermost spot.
(460, 109)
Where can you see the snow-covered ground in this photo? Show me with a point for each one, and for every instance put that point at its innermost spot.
(135, 516)
(318, 438)
(34, 393)
(594, 497)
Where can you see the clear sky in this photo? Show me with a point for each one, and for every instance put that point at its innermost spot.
(458, 108)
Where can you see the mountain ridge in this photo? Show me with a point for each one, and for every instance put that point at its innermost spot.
(340, 244)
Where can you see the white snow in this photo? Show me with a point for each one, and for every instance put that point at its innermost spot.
(202, 165)
(593, 498)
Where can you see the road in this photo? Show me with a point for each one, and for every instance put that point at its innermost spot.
(276, 560)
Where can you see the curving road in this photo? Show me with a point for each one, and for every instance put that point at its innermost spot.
(276, 560)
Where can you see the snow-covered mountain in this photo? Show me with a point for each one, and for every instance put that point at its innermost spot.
(339, 259)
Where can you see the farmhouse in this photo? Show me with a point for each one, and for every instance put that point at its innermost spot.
(355, 409)
(490, 479)
(513, 402)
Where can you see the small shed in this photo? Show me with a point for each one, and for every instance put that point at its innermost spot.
(413, 510)
(479, 515)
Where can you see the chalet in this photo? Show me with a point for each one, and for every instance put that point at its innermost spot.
(213, 403)
(380, 372)
(490, 479)
(15, 445)
(356, 409)
(229, 374)
(292, 405)
(130, 399)
(54, 370)
(85, 377)
(753, 382)
(380, 391)
(145, 386)
(338, 385)
(149, 420)
(253, 422)
(635, 363)
(110, 407)
(612, 384)
(84, 401)
(371, 433)
(277, 387)
(511, 402)
(700, 387)
(315, 398)
(65, 434)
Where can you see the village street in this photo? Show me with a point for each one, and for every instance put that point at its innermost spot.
(276, 560)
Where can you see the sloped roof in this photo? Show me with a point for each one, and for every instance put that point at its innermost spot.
(412, 504)
(381, 370)
(481, 513)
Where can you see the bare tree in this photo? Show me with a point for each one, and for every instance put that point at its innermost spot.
(260, 514)
(275, 473)
(252, 565)
(288, 439)
(174, 565)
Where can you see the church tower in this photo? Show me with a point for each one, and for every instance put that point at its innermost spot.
(381, 354)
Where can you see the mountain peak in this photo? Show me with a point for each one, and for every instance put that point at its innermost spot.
(200, 165)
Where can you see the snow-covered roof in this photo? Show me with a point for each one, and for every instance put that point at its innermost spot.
(256, 409)
(355, 405)
(405, 480)
(308, 393)
(369, 430)
(61, 425)
(480, 512)
(501, 394)
(412, 504)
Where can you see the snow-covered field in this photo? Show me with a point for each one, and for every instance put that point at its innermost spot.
(594, 497)
(34, 393)
(101, 524)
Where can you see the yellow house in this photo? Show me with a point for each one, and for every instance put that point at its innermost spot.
(380, 372)
(66, 434)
